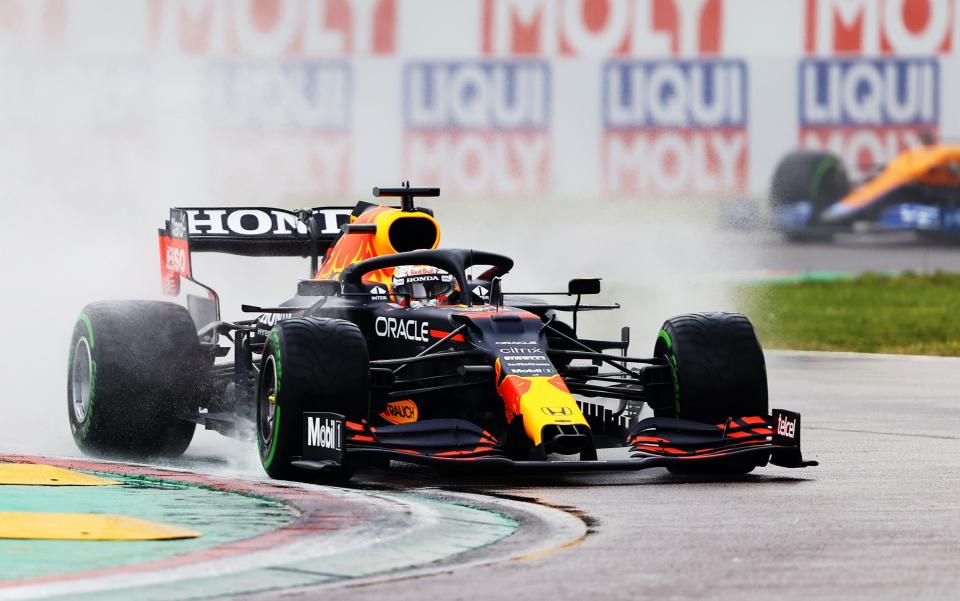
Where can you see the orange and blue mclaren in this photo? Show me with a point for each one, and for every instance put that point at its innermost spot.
(396, 350)
(918, 191)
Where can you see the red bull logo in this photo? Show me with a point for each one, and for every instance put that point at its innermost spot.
(604, 28)
(674, 127)
(867, 110)
(478, 127)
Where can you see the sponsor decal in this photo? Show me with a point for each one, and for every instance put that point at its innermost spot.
(174, 262)
(266, 322)
(378, 293)
(519, 350)
(323, 433)
(867, 110)
(786, 427)
(610, 28)
(478, 127)
(323, 436)
(280, 28)
(401, 329)
(401, 412)
(891, 27)
(178, 224)
(259, 222)
(176, 259)
(556, 411)
(674, 128)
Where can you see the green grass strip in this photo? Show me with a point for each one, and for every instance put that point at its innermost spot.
(870, 313)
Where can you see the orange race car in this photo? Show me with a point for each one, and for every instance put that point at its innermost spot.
(919, 190)
(394, 349)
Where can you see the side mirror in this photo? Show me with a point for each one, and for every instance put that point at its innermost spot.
(318, 288)
(578, 286)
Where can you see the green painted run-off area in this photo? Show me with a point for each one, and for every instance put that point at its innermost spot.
(221, 517)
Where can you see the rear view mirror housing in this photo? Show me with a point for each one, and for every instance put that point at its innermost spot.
(578, 286)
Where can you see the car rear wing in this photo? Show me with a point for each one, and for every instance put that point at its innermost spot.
(247, 231)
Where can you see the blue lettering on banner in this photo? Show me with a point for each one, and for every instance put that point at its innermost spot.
(704, 93)
(477, 95)
(884, 91)
(312, 96)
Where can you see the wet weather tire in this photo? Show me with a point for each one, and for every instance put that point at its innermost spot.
(813, 176)
(717, 368)
(133, 367)
(308, 364)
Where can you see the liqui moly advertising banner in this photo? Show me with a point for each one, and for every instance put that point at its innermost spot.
(478, 127)
(648, 28)
(674, 127)
(867, 110)
(314, 100)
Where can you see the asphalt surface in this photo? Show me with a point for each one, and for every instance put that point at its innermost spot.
(854, 253)
(878, 519)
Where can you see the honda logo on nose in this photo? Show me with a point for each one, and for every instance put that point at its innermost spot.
(555, 411)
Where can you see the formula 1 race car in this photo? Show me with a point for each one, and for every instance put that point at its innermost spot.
(919, 191)
(396, 350)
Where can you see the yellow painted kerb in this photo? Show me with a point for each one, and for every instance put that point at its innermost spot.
(85, 526)
(30, 474)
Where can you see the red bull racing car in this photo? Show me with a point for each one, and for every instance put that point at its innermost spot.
(394, 349)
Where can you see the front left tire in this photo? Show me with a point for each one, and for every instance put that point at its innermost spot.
(308, 364)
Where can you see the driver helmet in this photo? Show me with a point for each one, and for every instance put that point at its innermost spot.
(422, 285)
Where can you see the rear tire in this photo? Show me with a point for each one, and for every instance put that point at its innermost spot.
(718, 372)
(133, 366)
(813, 176)
(308, 364)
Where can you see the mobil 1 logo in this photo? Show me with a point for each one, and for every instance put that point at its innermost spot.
(323, 437)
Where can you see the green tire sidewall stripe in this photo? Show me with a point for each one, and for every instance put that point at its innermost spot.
(81, 433)
(672, 362)
(274, 339)
(822, 167)
(86, 321)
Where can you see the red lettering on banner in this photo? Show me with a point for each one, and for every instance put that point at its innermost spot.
(472, 163)
(868, 27)
(669, 163)
(864, 149)
(272, 28)
(35, 22)
(601, 27)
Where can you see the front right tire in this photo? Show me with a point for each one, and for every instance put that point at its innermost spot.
(718, 372)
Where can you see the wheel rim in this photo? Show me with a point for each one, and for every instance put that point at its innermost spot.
(81, 377)
(267, 405)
